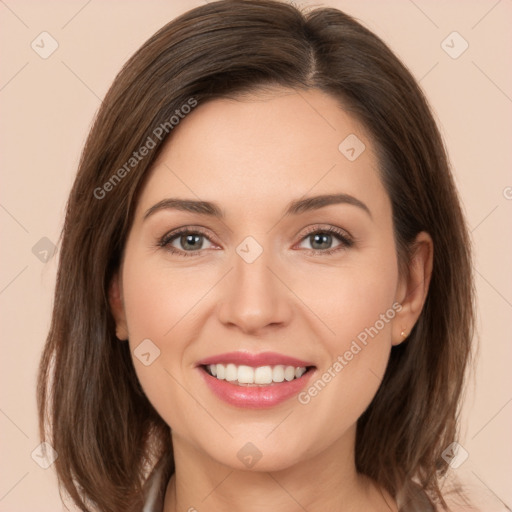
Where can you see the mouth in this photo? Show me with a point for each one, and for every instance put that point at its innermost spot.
(255, 380)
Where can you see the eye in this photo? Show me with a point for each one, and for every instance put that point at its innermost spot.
(321, 240)
(190, 242)
(185, 242)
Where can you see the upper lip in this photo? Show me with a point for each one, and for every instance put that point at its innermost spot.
(254, 360)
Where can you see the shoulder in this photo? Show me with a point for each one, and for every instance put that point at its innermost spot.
(466, 492)
(414, 499)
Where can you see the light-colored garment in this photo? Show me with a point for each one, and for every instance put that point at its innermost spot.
(154, 500)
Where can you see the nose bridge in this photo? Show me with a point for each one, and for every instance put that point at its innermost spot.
(252, 297)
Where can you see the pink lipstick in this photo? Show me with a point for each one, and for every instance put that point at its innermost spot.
(255, 381)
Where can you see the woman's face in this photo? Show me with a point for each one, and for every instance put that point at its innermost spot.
(291, 263)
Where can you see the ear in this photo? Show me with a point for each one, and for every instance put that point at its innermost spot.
(115, 297)
(413, 287)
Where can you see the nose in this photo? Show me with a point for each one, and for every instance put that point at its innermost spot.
(253, 297)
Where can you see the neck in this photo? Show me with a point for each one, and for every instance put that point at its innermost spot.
(326, 482)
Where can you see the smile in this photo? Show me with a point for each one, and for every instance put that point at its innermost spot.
(243, 375)
(255, 381)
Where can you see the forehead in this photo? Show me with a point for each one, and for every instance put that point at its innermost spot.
(264, 148)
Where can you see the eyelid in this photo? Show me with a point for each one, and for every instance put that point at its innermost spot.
(326, 228)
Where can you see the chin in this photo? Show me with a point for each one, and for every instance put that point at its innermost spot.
(258, 456)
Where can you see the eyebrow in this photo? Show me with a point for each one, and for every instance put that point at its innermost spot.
(294, 208)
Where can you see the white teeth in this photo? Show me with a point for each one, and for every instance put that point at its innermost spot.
(289, 373)
(278, 373)
(261, 375)
(231, 372)
(245, 375)
(220, 371)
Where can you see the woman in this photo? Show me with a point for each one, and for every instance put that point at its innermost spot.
(264, 298)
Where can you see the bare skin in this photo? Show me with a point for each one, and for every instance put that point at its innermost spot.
(252, 157)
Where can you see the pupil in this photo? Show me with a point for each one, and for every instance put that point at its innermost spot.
(192, 241)
(321, 238)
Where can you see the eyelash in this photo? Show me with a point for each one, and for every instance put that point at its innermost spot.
(346, 241)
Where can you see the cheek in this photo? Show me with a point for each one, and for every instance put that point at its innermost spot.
(353, 297)
(158, 297)
(357, 305)
(159, 305)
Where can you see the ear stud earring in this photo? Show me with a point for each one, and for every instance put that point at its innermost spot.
(403, 334)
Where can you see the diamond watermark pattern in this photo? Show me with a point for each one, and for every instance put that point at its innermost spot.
(146, 352)
(44, 249)
(351, 147)
(249, 455)
(44, 455)
(249, 250)
(44, 45)
(455, 455)
(454, 45)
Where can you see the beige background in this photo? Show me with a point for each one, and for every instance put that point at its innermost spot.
(47, 106)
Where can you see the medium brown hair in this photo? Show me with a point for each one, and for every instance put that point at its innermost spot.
(92, 408)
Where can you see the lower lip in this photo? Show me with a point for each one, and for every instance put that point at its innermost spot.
(255, 397)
